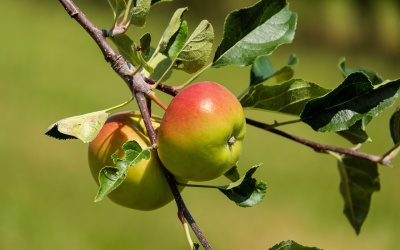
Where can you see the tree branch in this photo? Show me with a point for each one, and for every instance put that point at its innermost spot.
(320, 148)
(141, 88)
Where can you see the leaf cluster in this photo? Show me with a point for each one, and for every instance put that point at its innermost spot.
(250, 36)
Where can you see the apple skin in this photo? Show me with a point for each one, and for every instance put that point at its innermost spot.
(145, 187)
(201, 134)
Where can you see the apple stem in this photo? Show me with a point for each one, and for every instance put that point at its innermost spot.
(183, 210)
(139, 86)
(155, 99)
(186, 229)
(231, 140)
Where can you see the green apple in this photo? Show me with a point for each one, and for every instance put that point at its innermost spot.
(201, 134)
(145, 186)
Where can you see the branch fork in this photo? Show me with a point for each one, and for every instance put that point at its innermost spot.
(142, 90)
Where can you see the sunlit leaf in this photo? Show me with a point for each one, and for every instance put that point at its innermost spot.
(255, 31)
(84, 127)
(374, 77)
(177, 42)
(197, 49)
(359, 179)
(354, 99)
(291, 245)
(111, 177)
(160, 63)
(138, 14)
(289, 97)
(118, 7)
(247, 191)
(126, 48)
(172, 28)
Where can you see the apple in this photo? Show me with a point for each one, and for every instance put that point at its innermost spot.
(201, 133)
(145, 186)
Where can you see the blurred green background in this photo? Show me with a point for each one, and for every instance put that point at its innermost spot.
(51, 69)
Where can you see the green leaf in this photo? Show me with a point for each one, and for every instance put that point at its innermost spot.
(118, 7)
(262, 70)
(173, 27)
(289, 97)
(84, 127)
(287, 72)
(126, 48)
(134, 152)
(197, 49)
(292, 245)
(359, 179)
(354, 99)
(145, 42)
(395, 126)
(154, 2)
(374, 77)
(247, 191)
(233, 174)
(177, 41)
(111, 177)
(160, 63)
(255, 31)
(138, 14)
(356, 133)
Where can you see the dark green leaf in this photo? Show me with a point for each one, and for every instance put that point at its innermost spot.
(84, 127)
(356, 133)
(255, 31)
(395, 126)
(292, 245)
(153, 2)
(359, 179)
(145, 42)
(247, 191)
(262, 70)
(289, 97)
(374, 77)
(351, 101)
